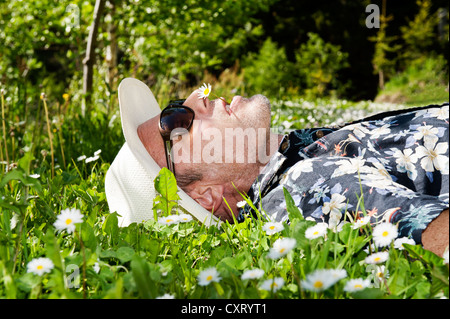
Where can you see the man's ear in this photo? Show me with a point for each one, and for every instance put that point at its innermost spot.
(209, 196)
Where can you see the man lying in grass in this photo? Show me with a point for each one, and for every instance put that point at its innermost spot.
(392, 167)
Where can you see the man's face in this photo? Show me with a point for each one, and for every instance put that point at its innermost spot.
(242, 112)
(224, 134)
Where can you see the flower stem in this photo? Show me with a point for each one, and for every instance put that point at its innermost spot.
(221, 98)
(4, 130)
(49, 136)
(83, 253)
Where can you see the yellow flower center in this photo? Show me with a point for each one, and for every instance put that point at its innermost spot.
(359, 286)
(377, 259)
(282, 250)
(315, 233)
(209, 278)
(433, 154)
(206, 91)
(68, 221)
(272, 227)
(385, 233)
(169, 220)
(39, 267)
(318, 284)
(273, 285)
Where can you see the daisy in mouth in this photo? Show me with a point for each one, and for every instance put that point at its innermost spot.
(205, 90)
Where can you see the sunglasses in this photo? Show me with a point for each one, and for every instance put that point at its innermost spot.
(175, 119)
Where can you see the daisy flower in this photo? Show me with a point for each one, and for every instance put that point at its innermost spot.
(169, 220)
(319, 280)
(40, 266)
(13, 221)
(338, 274)
(272, 227)
(185, 218)
(204, 91)
(273, 284)
(379, 273)
(316, 231)
(398, 243)
(67, 220)
(356, 284)
(384, 233)
(166, 296)
(281, 247)
(445, 256)
(252, 274)
(96, 267)
(377, 258)
(241, 203)
(361, 222)
(207, 276)
(92, 159)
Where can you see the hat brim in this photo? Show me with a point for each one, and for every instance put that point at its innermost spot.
(137, 105)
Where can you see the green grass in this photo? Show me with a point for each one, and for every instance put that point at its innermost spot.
(423, 83)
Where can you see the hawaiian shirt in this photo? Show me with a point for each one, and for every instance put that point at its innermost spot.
(395, 165)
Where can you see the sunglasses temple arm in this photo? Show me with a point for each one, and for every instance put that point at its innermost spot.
(169, 159)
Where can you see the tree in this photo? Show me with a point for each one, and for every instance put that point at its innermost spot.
(89, 60)
(419, 34)
(381, 61)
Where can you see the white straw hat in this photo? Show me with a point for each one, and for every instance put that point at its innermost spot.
(129, 182)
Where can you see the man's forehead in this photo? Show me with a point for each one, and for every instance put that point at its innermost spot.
(151, 138)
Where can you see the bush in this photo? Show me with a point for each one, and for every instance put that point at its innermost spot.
(318, 64)
(267, 72)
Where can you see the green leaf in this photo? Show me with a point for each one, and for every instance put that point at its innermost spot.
(19, 175)
(88, 236)
(439, 279)
(141, 273)
(422, 290)
(368, 293)
(297, 230)
(8, 282)
(166, 186)
(423, 254)
(27, 282)
(110, 226)
(292, 209)
(228, 266)
(125, 254)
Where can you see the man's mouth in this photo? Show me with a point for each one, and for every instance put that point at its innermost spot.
(235, 102)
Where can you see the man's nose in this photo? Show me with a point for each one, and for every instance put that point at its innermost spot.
(199, 105)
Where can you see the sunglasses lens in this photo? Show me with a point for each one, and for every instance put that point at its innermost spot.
(174, 117)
